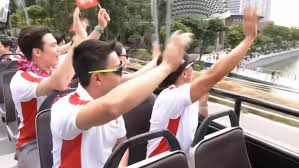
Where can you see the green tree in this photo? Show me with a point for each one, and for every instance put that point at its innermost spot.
(233, 36)
(205, 32)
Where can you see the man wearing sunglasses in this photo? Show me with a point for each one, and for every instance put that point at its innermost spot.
(87, 125)
(177, 107)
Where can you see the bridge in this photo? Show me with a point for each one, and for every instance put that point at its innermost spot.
(271, 59)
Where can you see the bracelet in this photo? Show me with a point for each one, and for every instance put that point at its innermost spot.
(98, 29)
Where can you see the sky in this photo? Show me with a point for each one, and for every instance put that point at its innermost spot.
(285, 12)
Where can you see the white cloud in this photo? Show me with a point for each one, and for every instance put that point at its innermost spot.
(285, 12)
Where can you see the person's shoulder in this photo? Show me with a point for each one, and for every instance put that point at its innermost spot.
(62, 103)
(175, 89)
(28, 76)
(17, 77)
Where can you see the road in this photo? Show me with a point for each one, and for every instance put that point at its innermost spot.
(7, 149)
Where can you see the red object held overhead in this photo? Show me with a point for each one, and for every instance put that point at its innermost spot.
(85, 4)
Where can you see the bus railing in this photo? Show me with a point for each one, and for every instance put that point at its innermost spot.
(239, 99)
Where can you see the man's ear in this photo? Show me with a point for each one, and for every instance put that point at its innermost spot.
(96, 77)
(184, 74)
(37, 52)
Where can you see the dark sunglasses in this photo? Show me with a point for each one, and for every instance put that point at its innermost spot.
(124, 56)
(118, 70)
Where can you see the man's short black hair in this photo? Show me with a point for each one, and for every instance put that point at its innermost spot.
(59, 37)
(31, 37)
(91, 55)
(6, 42)
(173, 77)
(118, 48)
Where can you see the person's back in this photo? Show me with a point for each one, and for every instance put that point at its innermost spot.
(173, 110)
(23, 90)
(72, 146)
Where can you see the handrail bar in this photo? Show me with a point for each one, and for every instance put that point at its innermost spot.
(240, 98)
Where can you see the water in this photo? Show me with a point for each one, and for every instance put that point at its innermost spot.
(288, 68)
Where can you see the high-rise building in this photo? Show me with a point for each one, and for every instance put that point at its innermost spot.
(263, 7)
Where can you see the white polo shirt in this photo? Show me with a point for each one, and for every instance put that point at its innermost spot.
(173, 110)
(23, 88)
(73, 147)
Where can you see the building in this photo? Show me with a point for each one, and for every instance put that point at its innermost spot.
(263, 7)
(236, 9)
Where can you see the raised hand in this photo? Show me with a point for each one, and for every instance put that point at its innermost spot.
(81, 33)
(250, 22)
(175, 49)
(103, 18)
(156, 50)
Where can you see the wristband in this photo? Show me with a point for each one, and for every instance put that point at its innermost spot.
(98, 29)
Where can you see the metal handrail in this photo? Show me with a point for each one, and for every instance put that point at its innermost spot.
(240, 98)
(4, 55)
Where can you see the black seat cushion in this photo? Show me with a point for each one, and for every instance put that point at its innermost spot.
(227, 150)
(178, 160)
(4, 66)
(8, 101)
(44, 138)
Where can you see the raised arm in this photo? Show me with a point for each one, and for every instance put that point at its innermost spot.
(60, 78)
(152, 64)
(128, 95)
(223, 66)
(102, 24)
(103, 18)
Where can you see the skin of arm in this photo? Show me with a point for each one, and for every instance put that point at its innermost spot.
(223, 66)
(125, 159)
(203, 106)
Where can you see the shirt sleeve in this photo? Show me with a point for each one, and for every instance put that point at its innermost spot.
(23, 86)
(122, 128)
(171, 103)
(63, 120)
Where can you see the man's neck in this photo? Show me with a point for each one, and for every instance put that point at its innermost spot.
(42, 66)
(94, 93)
(179, 83)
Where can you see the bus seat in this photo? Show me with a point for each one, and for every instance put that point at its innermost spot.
(225, 148)
(51, 98)
(10, 111)
(44, 138)
(137, 121)
(4, 66)
(173, 158)
(43, 128)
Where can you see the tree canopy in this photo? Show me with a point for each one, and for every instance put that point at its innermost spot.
(131, 23)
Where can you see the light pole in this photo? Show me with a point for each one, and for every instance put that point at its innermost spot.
(168, 18)
(155, 14)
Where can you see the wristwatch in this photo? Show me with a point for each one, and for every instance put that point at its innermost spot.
(98, 29)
